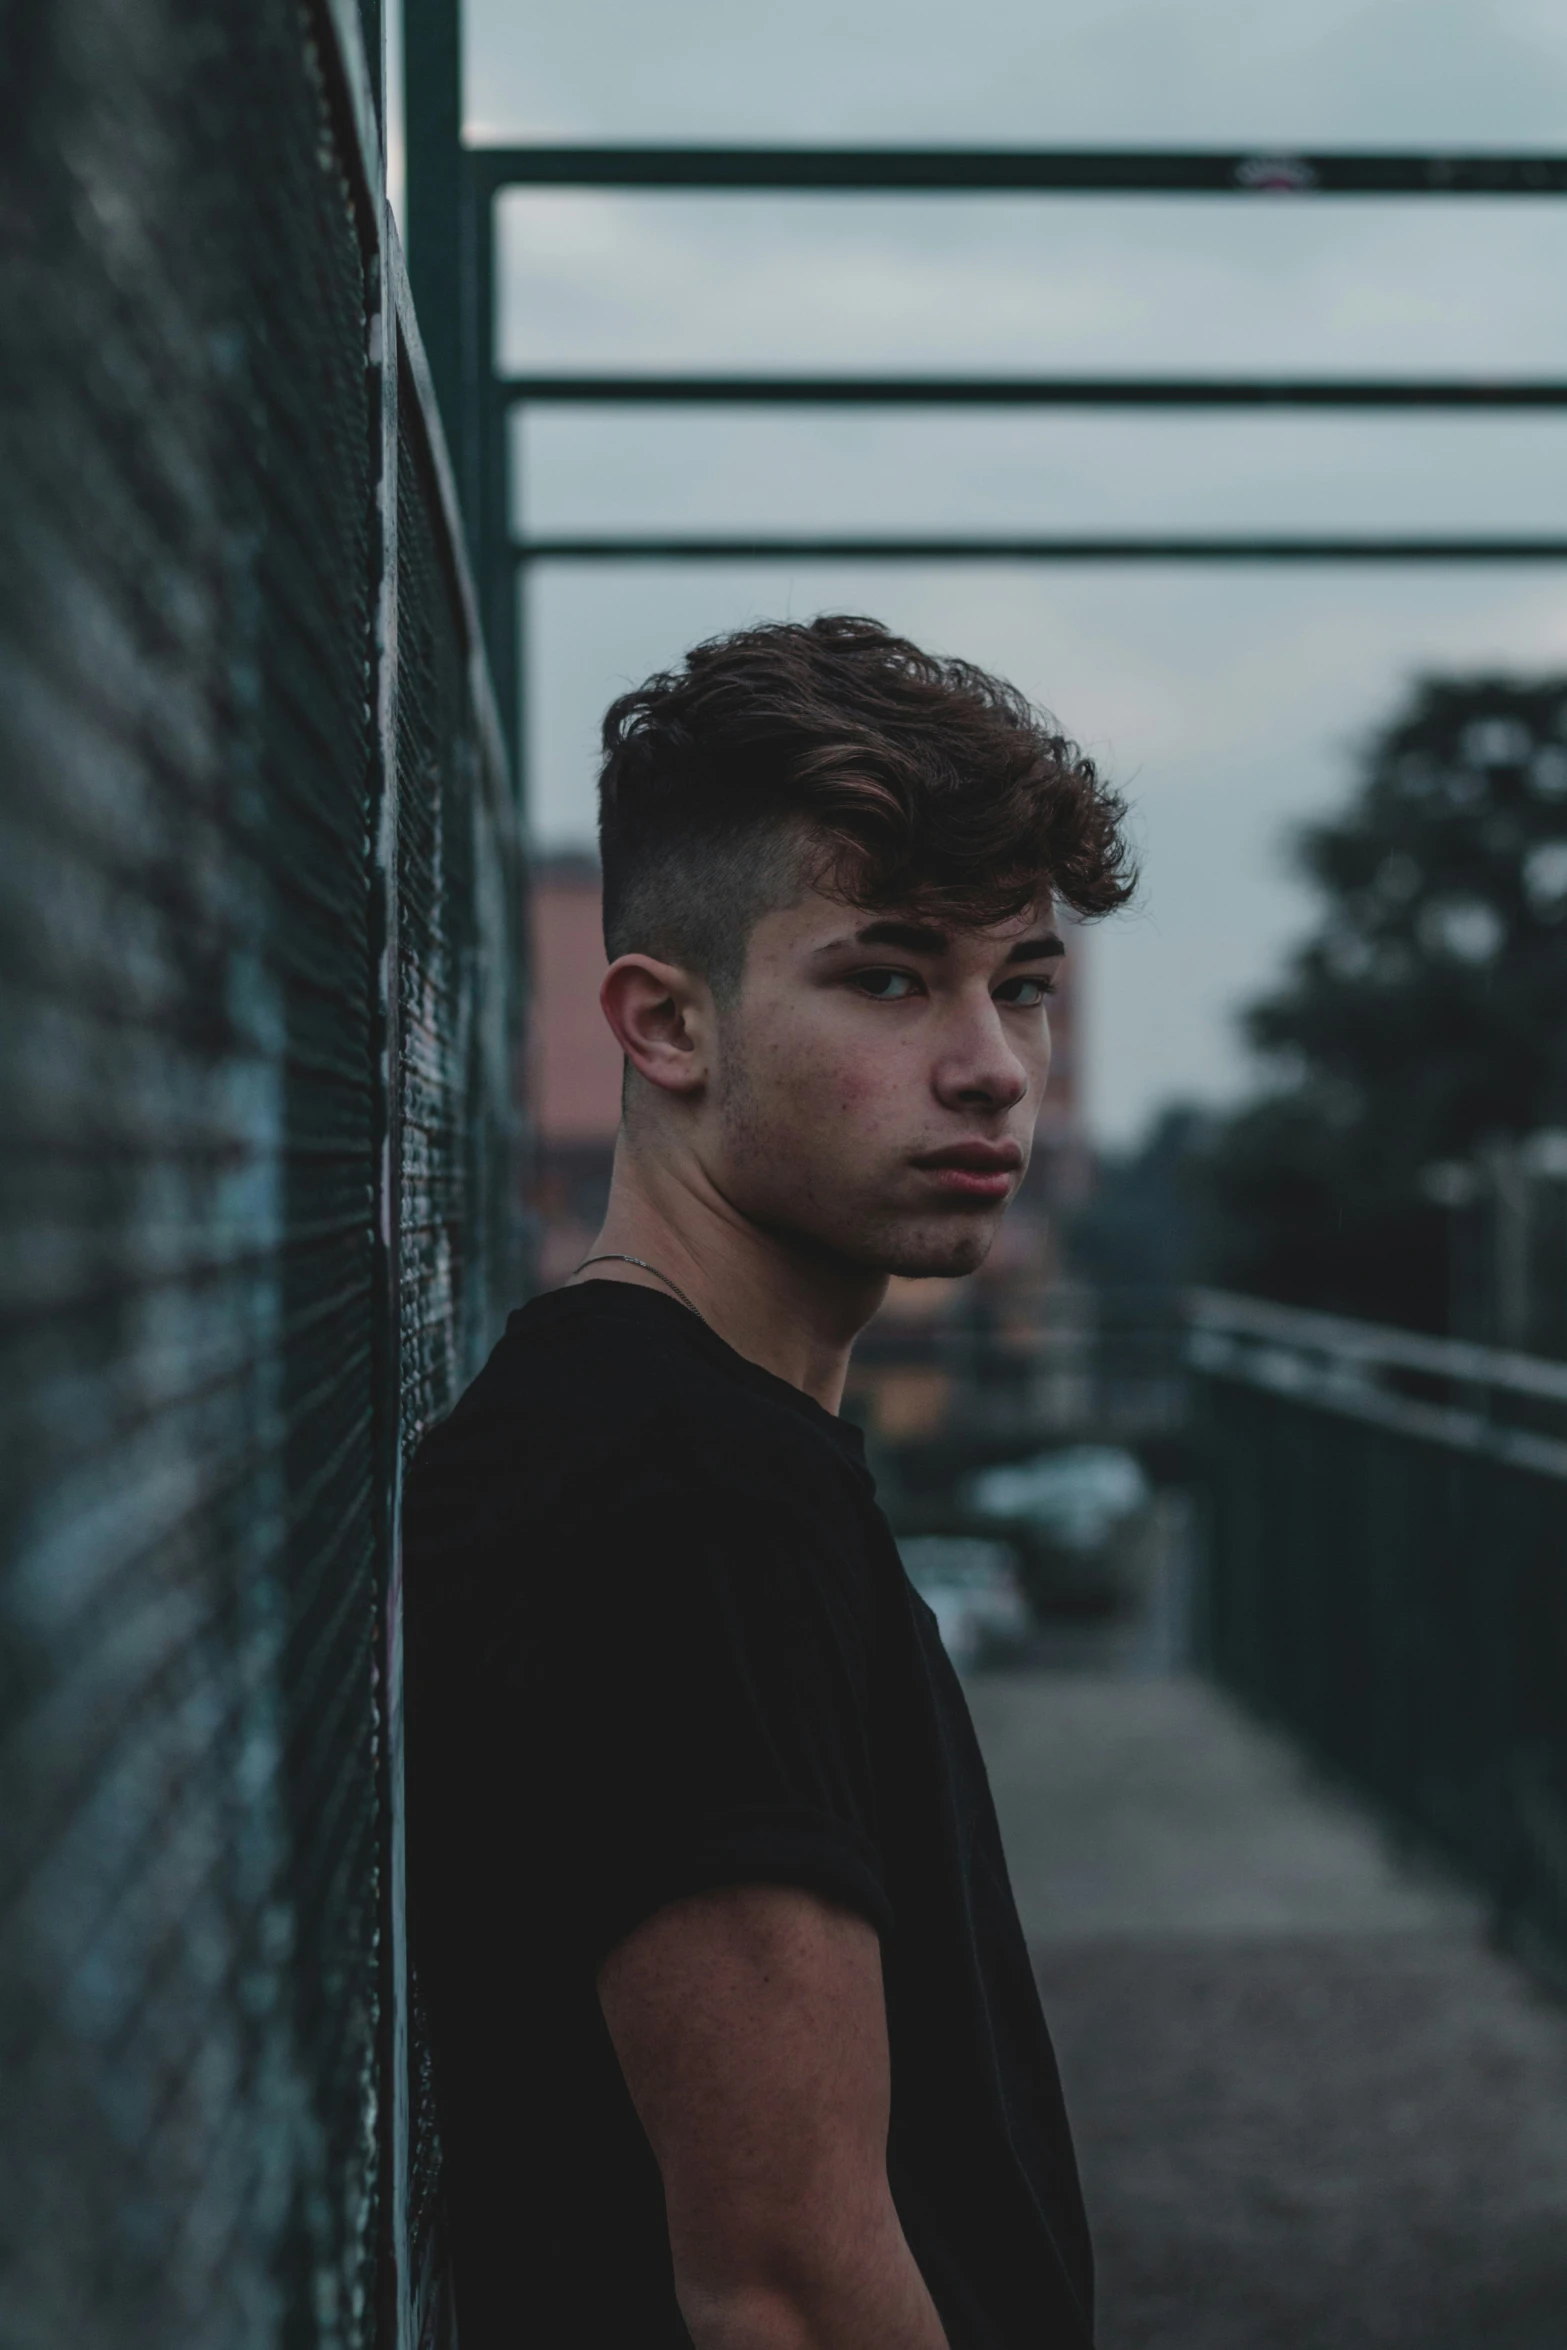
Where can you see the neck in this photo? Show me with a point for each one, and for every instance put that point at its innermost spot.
(794, 1313)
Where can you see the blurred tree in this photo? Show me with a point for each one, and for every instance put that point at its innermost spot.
(1146, 1223)
(1425, 1016)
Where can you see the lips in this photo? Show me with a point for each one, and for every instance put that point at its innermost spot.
(973, 1170)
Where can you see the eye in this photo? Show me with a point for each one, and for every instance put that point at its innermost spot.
(886, 987)
(1025, 993)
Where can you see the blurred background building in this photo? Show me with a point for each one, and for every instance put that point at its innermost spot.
(576, 1062)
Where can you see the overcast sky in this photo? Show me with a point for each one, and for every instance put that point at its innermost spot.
(1228, 704)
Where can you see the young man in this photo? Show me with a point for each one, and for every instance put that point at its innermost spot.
(736, 2039)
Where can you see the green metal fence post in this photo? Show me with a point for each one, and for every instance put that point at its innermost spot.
(432, 119)
(489, 420)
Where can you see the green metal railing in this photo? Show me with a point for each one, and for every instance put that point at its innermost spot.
(1385, 1575)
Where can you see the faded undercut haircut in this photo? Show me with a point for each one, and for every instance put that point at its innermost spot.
(831, 754)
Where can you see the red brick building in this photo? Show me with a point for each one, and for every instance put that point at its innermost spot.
(576, 1062)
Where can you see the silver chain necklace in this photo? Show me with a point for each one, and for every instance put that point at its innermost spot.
(615, 1256)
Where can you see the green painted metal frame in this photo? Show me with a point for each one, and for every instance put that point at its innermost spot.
(1062, 171)
(1001, 391)
(759, 549)
(452, 198)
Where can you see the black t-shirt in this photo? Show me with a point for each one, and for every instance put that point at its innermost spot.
(659, 1639)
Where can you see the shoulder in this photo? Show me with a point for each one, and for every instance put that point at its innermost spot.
(612, 1402)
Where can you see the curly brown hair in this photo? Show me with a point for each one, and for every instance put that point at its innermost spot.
(834, 754)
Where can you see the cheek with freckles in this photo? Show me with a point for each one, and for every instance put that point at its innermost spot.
(806, 1111)
(850, 1094)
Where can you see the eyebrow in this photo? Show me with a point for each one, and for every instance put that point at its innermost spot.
(919, 938)
(1046, 947)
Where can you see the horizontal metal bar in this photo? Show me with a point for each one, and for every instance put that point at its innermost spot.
(1296, 1381)
(1037, 550)
(935, 391)
(1370, 1344)
(999, 170)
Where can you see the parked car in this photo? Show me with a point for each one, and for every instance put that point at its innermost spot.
(971, 1587)
(1071, 1517)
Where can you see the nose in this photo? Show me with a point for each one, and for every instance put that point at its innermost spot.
(980, 1067)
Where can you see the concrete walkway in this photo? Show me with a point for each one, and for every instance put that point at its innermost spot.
(1314, 2110)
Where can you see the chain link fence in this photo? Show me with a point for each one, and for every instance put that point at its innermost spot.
(260, 961)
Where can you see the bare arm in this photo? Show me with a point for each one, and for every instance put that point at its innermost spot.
(751, 2028)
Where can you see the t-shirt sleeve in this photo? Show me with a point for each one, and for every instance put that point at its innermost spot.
(694, 1713)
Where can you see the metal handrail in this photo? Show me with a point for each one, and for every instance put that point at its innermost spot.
(1371, 1343)
(1333, 1362)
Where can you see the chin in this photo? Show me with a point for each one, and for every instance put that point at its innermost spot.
(941, 1265)
(944, 1253)
(928, 1248)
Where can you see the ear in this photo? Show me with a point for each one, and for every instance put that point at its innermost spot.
(661, 1018)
